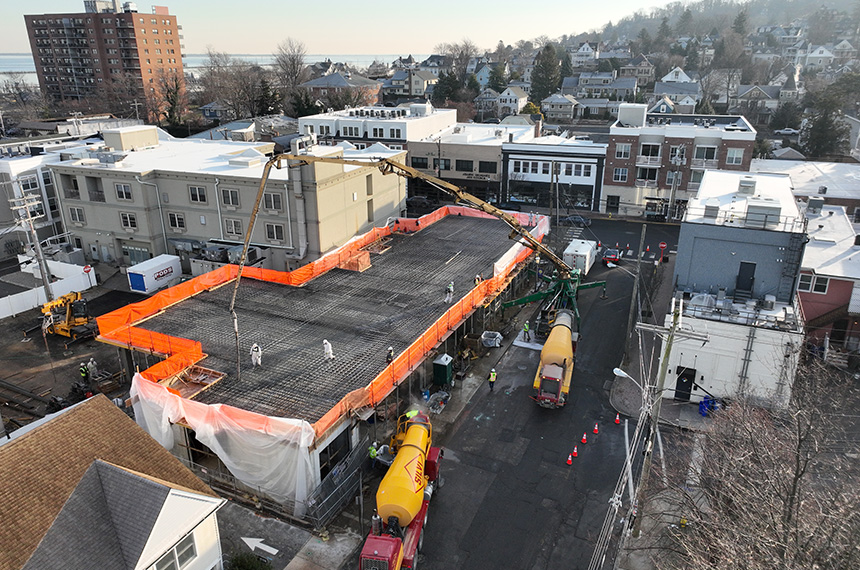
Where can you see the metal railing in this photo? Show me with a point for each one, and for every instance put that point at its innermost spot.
(338, 487)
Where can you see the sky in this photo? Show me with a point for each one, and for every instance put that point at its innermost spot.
(339, 27)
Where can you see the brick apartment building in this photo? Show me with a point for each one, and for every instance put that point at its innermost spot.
(79, 54)
(655, 159)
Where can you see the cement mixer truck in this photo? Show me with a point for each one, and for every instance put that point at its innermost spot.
(552, 380)
(397, 528)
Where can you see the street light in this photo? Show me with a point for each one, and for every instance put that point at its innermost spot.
(621, 374)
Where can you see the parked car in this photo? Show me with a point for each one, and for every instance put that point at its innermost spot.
(580, 221)
(611, 256)
(418, 202)
(510, 206)
(787, 131)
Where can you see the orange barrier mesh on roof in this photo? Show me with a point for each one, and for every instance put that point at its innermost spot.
(118, 326)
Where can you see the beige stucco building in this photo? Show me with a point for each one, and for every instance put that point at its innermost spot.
(144, 193)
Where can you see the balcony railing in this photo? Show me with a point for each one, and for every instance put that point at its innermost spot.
(641, 183)
(643, 160)
(703, 163)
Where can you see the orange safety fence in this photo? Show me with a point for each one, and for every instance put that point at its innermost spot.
(118, 326)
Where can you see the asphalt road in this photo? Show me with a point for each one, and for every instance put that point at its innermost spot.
(510, 500)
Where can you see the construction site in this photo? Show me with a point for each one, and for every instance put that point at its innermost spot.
(288, 433)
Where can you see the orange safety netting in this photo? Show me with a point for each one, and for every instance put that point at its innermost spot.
(118, 327)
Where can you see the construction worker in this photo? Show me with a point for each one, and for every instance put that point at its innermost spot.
(373, 451)
(329, 353)
(449, 292)
(85, 372)
(526, 334)
(390, 355)
(256, 355)
(492, 378)
(93, 368)
(478, 279)
(411, 414)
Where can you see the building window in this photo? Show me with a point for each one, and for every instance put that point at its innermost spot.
(394, 133)
(230, 197)
(378, 132)
(29, 183)
(123, 191)
(179, 556)
(76, 215)
(534, 168)
(677, 151)
(516, 166)
(275, 232)
(197, 194)
(419, 162)
(272, 201)
(176, 221)
(445, 164)
(670, 177)
(812, 283)
(696, 176)
(619, 175)
(622, 150)
(735, 156)
(649, 174)
(568, 169)
(487, 167)
(706, 152)
(648, 149)
(464, 165)
(128, 220)
(233, 226)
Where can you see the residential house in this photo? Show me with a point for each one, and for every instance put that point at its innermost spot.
(370, 90)
(142, 193)
(511, 101)
(829, 283)
(676, 75)
(379, 70)
(585, 56)
(759, 102)
(409, 82)
(719, 85)
(605, 84)
(578, 167)
(392, 126)
(617, 52)
(765, 56)
(815, 58)
(685, 94)
(640, 68)
(87, 488)
(436, 64)
(485, 70)
(468, 155)
(664, 106)
(655, 160)
(844, 53)
(742, 332)
(570, 85)
(404, 63)
(558, 107)
(216, 111)
(527, 87)
(486, 103)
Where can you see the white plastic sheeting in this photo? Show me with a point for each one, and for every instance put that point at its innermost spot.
(263, 452)
(542, 228)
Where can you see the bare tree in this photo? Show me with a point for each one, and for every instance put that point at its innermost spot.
(168, 101)
(460, 54)
(764, 489)
(235, 83)
(290, 67)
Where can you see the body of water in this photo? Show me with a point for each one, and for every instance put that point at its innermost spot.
(23, 62)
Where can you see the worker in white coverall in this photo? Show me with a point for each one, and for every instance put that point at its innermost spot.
(256, 355)
(329, 354)
(449, 292)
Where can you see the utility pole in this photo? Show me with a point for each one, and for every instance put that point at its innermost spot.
(136, 110)
(635, 296)
(23, 206)
(657, 397)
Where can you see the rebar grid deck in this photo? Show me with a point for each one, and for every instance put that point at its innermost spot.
(361, 314)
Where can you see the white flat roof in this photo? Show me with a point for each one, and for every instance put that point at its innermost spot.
(212, 157)
(831, 250)
(484, 134)
(841, 179)
(721, 191)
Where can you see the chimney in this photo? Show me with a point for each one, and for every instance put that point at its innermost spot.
(857, 240)
(510, 137)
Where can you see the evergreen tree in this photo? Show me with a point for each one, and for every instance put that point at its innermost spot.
(497, 80)
(303, 103)
(566, 67)
(664, 32)
(685, 23)
(603, 65)
(444, 89)
(825, 133)
(740, 25)
(643, 41)
(545, 77)
(268, 101)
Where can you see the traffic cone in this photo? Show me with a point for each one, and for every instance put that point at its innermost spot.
(570, 458)
(595, 427)
(617, 419)
(584, 439)
(575, 454)
(647, 248)
(599, 244)
(628, 246)
(616, 245)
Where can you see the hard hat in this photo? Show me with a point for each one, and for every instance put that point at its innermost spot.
(493, 370)
(82, 364)
(390, 348)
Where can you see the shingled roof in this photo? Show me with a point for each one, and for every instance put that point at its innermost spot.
(41, 469)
